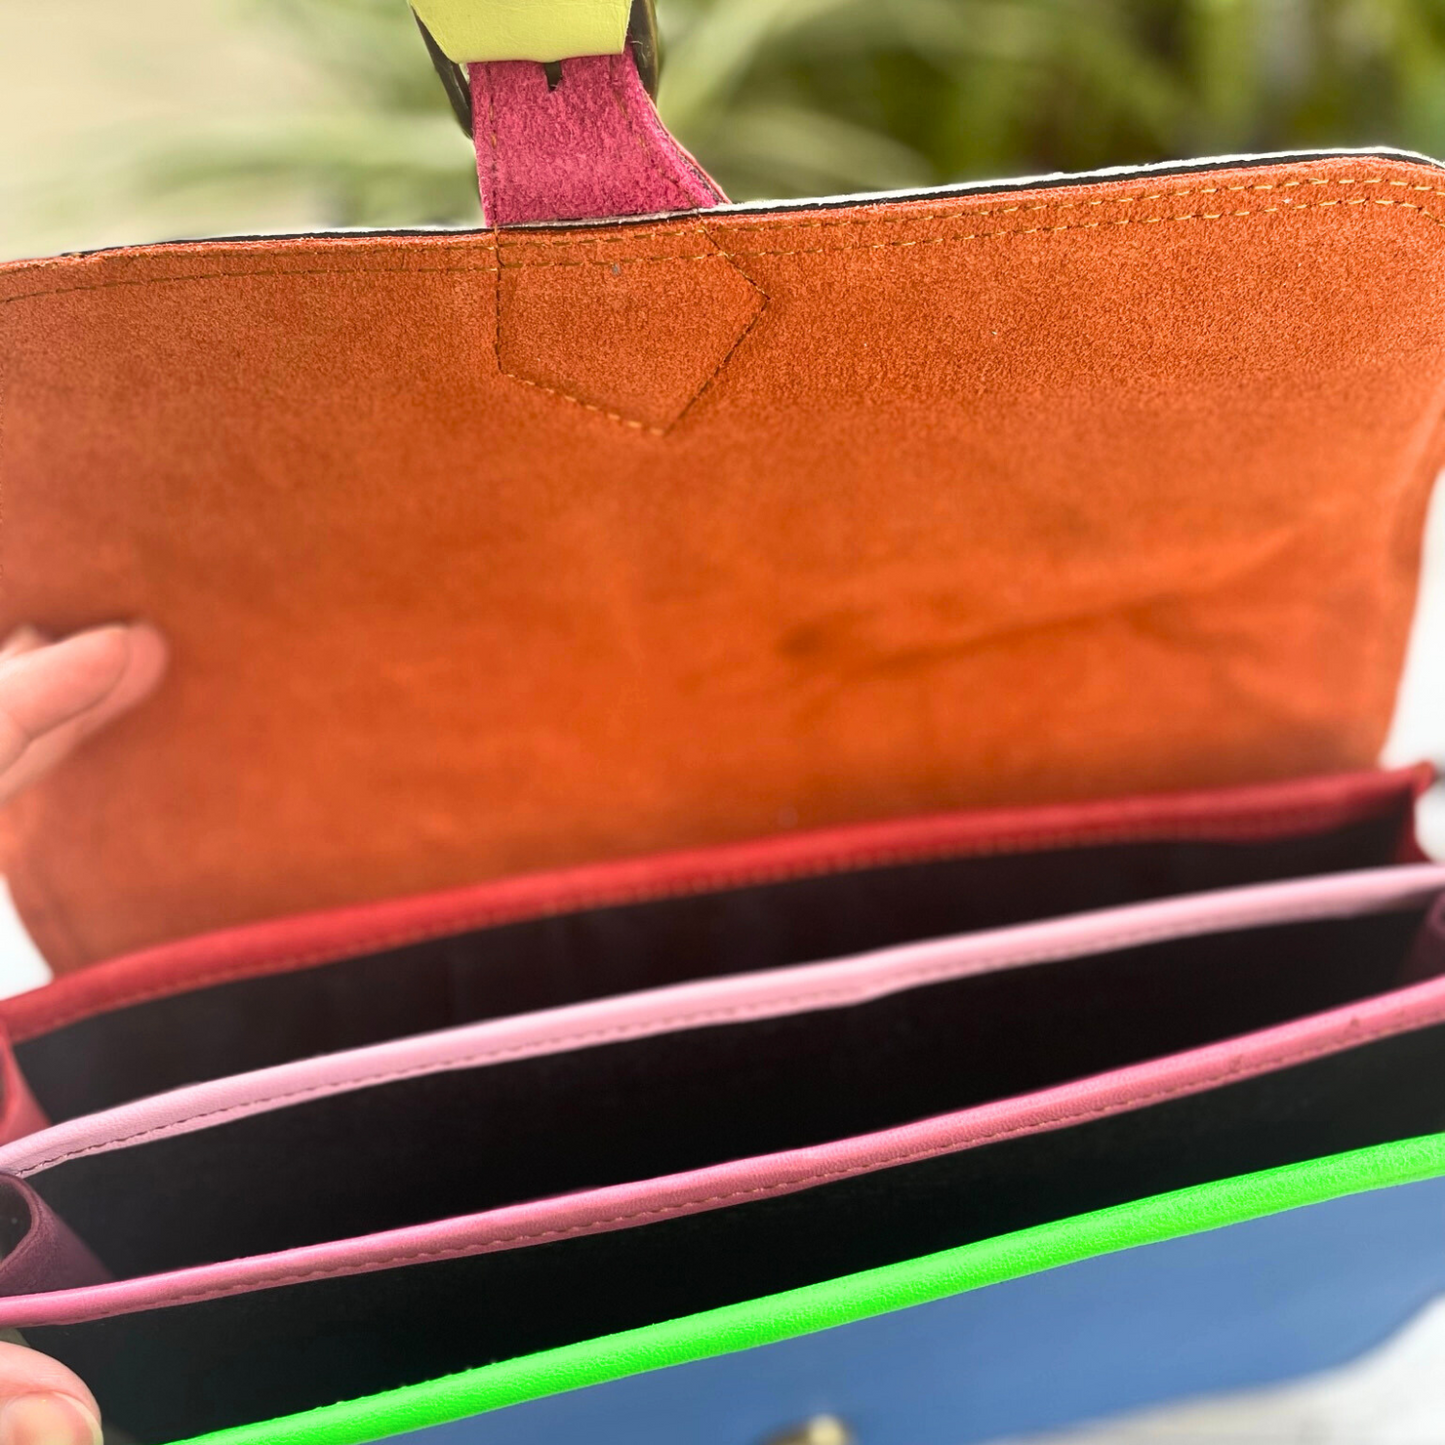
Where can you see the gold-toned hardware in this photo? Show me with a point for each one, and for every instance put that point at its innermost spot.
(820, 1430)
(642, 40)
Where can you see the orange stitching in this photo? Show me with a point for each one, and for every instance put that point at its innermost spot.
(964, 198)
(796, 1182)
(987, 235)
(742, 336)
(605, 260)
(726, 255)
(715, 255)
(651, 153)
(617, 416)
(505, 244)
(963, 215)
(492, 138)
(1225, 829)
(1079, 226)
(360, 271)
(838, 996)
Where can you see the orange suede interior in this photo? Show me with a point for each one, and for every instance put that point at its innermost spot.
(670, 533)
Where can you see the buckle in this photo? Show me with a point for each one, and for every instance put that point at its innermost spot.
(642, 40)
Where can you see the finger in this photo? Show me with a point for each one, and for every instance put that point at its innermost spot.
(52, 696)
(43, 1403)
(43, 687)
(25, 638)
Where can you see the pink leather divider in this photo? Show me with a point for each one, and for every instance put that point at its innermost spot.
(1247, 814)
(592, 148)
(634, 1204)
(739, 998)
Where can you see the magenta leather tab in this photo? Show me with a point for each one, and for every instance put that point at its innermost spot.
(590, 148)
(40, 1251)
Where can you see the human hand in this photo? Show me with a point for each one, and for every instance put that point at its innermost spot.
(52, 695)
(43, 1403)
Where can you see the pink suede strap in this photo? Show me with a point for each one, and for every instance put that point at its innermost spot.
(589, 148)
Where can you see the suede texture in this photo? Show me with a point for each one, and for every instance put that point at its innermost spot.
(990, 499)
(590, 147)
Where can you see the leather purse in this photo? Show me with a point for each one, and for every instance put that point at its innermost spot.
(596, 1171)
(763, 823)
(291, 989)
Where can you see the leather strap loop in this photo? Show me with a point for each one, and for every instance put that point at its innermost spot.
(588, 147)
(561, 114)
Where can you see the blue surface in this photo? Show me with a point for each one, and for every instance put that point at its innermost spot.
(1247, 1305)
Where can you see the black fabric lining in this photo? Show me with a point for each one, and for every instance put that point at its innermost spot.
(169, 1374)
(232, 1028)
(453, 1143)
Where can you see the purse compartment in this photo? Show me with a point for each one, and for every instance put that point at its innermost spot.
(469, 1139)
(803, 900)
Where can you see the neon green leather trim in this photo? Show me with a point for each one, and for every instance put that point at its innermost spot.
(526, 29)
(854, 1297)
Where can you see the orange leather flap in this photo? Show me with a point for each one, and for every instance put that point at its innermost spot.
(486, 554)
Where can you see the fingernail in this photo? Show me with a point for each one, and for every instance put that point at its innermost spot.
(47, 1420)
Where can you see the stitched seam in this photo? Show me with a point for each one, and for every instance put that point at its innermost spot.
(807, 1000)
(362, 271)
(967, 215)
(795, 1182)
(492, 138)
(497, 332)
(365, 271)
(633, 422)
(621, 92)
(1096, 225)
(963, 215)
(742, 336)
(617, 416)
(503, 370)
(832, 865)
(992, 235)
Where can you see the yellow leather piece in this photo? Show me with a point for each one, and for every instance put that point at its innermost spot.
(470, 30)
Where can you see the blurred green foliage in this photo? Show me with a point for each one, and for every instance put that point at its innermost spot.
(794, 97)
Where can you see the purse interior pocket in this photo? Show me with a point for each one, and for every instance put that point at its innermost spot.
(450, 1143)
(174, 1373)
(837, 906)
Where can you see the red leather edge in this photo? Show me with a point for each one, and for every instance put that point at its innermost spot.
(1248, 813)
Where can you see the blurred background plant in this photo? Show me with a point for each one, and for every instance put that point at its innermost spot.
(337, 119)
(790, 97)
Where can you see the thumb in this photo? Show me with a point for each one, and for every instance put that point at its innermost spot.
(43, 1403)
(52, 695)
